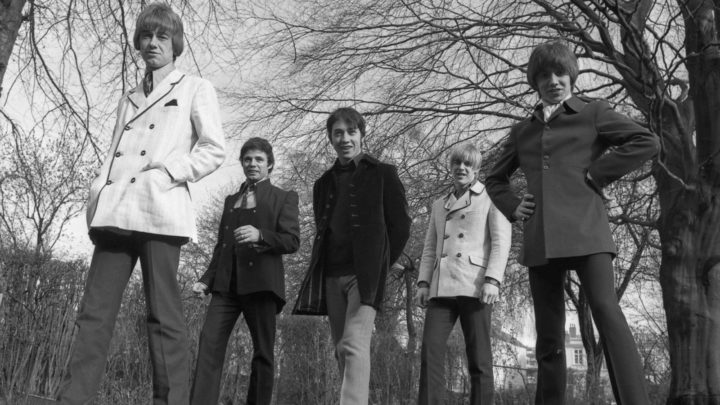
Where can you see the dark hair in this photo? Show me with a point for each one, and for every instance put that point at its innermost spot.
(553, 56)
(350, 116)
(159, 16)
(261, 145)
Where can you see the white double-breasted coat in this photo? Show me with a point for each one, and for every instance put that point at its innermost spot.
(467, 239)
(177, 125)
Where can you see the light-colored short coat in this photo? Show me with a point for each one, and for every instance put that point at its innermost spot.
(179, 126)
(467, 239)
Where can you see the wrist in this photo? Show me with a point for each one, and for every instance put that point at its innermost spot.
(490, 280)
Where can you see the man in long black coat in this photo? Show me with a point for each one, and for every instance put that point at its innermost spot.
(362, 227)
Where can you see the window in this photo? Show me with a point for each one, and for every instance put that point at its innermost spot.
(579, 357)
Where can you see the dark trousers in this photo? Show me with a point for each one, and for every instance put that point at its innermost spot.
(112, 264)
(623, 361)
(440, 318)
(259, 310)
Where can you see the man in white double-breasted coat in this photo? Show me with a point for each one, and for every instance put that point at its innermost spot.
(168, 133)
(463, 263)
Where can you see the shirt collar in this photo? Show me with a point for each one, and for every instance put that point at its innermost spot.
(248, 185)
(354, 161)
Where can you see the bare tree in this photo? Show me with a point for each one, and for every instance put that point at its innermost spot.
(454, 70)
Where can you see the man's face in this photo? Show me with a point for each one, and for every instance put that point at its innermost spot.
(255, 165)
(462, 172)
(554, 87)
(156, 48)
(346, 140)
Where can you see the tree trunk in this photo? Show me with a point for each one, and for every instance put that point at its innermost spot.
(689, 223)
(593, 351)
(10, 21)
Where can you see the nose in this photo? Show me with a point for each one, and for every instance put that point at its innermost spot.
(554, 78)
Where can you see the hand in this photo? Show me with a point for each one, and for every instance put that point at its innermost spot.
(246, 234)
(421, 296)
(199, 288)
(489, 293)
(525, 209)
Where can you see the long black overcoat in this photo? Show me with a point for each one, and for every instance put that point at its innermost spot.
(380, 228)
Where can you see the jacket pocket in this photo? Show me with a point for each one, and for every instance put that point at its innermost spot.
(478, 260)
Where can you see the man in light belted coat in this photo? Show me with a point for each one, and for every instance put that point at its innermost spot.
(168, 133)
(466, 249)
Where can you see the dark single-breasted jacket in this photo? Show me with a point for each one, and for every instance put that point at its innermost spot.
(380, 227)
(570, 217)
(258, 267)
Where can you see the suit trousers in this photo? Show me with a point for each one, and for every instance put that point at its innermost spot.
(259, 310)
(441, 316)
(351, 326)
(625, 368)
(112, 264)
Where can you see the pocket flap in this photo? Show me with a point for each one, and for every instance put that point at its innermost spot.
(478, 260)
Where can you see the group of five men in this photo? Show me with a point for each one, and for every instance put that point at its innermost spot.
(168, 133)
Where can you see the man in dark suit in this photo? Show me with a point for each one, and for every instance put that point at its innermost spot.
(362, 225)
(562, 149)
(259, 224)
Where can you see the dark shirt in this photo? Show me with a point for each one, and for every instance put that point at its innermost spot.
(339, 256)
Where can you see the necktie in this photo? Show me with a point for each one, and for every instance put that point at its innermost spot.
(147, 83)
(247, 199)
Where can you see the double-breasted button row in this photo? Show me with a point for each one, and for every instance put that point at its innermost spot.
(118, 153)
(128, 127)
(546, 161)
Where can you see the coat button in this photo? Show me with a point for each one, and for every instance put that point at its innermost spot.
(224, 244)
(227, 227)
(462, 216)
(132, 180)
(118, 154)
(142, 153)
(461, 235)
(459, 255)
(546, 157)
(546, 166)
(152, 126)
(109, 182)
(327, 205)
(127, 127)
(250, 264)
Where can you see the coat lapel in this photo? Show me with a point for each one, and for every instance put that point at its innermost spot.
(142, 104)
(452, 204)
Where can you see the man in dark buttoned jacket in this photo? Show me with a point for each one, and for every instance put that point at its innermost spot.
(562, 149)
(362, 225)
(259, 224)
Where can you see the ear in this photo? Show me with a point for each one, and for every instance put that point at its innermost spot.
(270, 167)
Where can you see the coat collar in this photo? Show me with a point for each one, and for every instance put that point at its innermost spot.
(454, 204)
(142, 103)
(572, 105)
(261, 189)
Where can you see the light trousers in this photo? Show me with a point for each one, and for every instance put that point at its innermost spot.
(351, 325)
